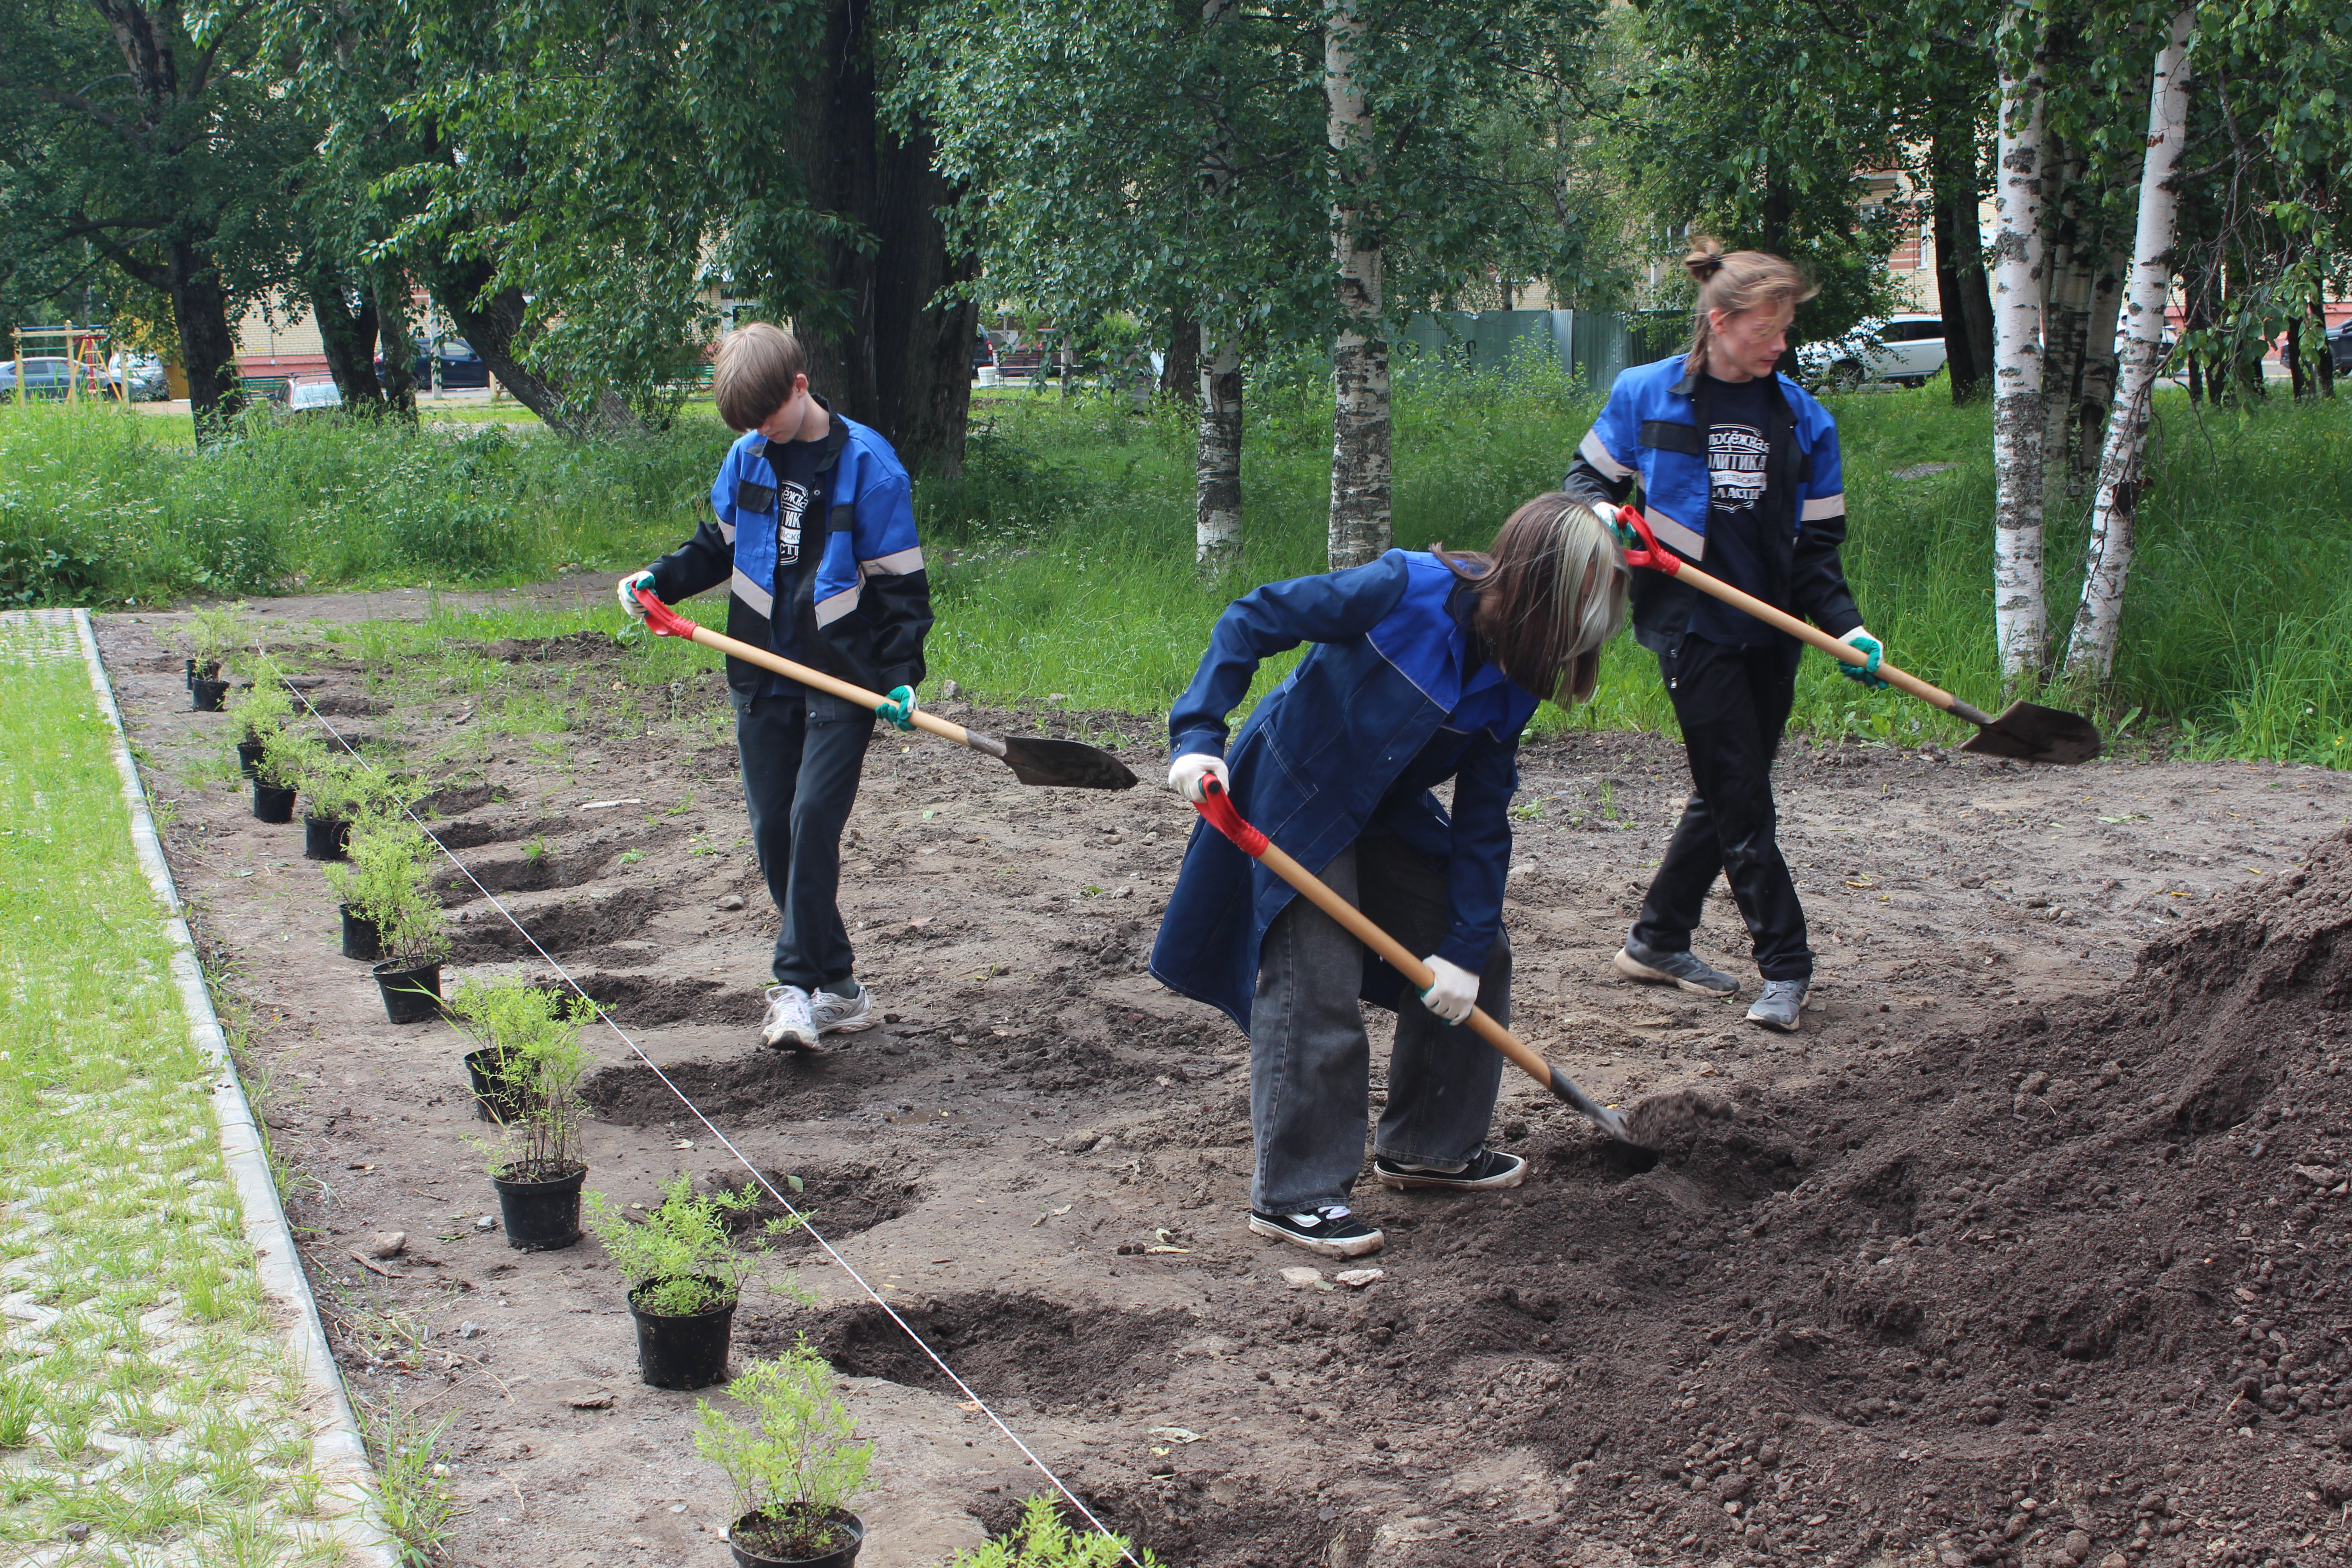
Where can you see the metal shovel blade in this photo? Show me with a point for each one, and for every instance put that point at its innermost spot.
(2031, 733)
(1049, 764)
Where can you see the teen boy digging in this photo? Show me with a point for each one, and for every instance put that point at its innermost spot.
(814, 532)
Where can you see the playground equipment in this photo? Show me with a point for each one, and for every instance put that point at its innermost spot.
(82, 349)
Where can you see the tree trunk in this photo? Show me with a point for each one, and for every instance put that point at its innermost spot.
(396, 342)
(501, 329)
(2324, 362)
(2294, 356)
(207, 346)
(923, 350)
(1217, 465)
(1360, 491)
(346, 335)
(2098, 378)
(1961, 292)
(1179, 371)
(2065, 321)
(2090, 651)
(2021, 610)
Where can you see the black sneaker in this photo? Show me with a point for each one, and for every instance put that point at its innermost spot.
(1489, 1172)
(1330, 1232)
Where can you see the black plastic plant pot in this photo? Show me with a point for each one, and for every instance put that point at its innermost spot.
(850, 1533)
(271, 803)
(326, 838)
(201, 672)
(540, 1215)
(411, 995)
(208, 694)
(682, 1352)
(248, 758)
(362, 937)
(495, 1098)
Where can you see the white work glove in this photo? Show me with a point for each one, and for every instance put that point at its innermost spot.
(628, 590)
(1184, 775)
(1452, 990)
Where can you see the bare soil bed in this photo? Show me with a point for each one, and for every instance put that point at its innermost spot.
(2029, 1250)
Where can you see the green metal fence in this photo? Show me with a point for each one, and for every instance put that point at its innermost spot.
(1592, 344)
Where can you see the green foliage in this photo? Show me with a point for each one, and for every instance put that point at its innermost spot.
(292, 504)
(797, 1461)
(679, 1258)
(36, 571)
(217, 631)
(533, 1035)
(386, 880)
(418, 1511)
(290, 756)
(264, 704)
(1043, 1539)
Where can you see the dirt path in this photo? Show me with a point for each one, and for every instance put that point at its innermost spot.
(1891, 1297)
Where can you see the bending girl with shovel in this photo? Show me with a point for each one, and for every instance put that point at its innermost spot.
(1740, 469)
(1427, 665)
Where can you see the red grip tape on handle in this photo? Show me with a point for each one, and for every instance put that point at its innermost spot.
(663, 621)
(1219, 809)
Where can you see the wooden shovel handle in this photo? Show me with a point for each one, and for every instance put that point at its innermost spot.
(1658, 558)
(1220, 811)
(663, 621)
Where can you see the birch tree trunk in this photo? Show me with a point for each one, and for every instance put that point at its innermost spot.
(2090, 651)
(1217, 468)
(2021, 610)
(1360, 357)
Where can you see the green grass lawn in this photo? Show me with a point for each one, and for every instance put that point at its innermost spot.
(146, 1405)
(1063, 554)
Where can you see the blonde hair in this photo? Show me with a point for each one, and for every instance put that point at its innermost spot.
(1743, 280)
(757, 368)
(1551, 593)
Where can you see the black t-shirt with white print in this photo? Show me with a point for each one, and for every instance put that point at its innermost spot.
(1737, 473)
(799, 538)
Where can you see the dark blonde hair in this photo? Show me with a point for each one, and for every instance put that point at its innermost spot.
(1743, 280)
(757, 368)
(1551, 593)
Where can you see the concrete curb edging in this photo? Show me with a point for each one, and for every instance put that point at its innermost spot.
(340, 1454)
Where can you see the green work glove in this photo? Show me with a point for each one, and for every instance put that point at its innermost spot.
(900, 709)
(1866, 673)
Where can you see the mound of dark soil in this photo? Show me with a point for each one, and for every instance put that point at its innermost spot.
(1004, 1346)
(2055, 1261)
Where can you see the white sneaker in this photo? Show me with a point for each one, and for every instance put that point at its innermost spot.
(789, 1024)
(843, 1014)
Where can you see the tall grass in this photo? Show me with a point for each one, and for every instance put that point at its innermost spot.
(1063, 555)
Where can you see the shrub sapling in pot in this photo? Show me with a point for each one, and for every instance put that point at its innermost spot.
(212, 635)
(337, 787)
(530, 1039)
(261, 709)
(1043, 1539)
(286, 757)
(795, 1468)
(384, 887)
(685, 1277)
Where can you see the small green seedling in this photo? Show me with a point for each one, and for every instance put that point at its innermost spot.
(384, 883)
(534, 849)
(797, 1466)
(533, 1039)
(1042, 1540)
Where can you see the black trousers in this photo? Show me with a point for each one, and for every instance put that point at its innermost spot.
(1733, 704)
(802, 752)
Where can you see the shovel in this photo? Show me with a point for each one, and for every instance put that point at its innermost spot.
(2024, 731)
(1034, 758)
(1223, 817)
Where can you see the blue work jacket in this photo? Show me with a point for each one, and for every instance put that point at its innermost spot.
(1649, 433)
(1313, 767)
(862, 606)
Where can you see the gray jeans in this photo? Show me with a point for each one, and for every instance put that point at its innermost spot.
(1310, 1063)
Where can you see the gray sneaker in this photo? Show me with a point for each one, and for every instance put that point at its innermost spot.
(787, 1025)
(1777, 1006)
(1686, 970)
(843, 1014)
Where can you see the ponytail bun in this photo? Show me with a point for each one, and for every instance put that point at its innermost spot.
(1706, 258)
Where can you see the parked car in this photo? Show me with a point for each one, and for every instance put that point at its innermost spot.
(2339, 346)
(460, 365)
(46, 380)
(142, 376)
(1903, 349)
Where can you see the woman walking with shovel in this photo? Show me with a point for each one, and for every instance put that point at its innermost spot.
(1738, 469)
(1427, 665)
